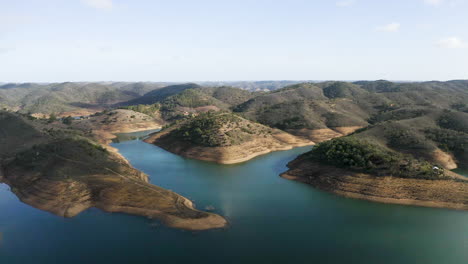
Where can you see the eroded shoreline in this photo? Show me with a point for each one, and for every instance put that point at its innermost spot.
(249, 150)
(449, 194)
(66, 175)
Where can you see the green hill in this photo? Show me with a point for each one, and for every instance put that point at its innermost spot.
(69, 96)
(341, 104)
(160, 94)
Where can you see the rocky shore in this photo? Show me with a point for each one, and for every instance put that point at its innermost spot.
(451, 193)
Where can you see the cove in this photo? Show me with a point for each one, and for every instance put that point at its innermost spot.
(272, 220)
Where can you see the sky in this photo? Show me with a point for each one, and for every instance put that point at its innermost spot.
(227, 40)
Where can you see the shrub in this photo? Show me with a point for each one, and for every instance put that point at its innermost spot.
(67, 120)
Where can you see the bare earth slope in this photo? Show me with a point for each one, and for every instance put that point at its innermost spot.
(104, 125)
(354, 166)
(419, 192)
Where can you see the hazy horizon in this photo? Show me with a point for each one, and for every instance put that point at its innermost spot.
(227, 81)
(122, 40)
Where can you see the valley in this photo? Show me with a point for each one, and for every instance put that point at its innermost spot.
(380, 141)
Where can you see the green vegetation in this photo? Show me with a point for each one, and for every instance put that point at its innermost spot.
(457, 121)
(191, 98)
(160, 94)
(229, 95)
(402, 137)
(449, 140)
(352, 153)
(40, 156)
(397, 114)
(67, 120)
(150, 110)
(52, 118)
(217, 129)
(337, 90)
(462, 107)
(204, 130)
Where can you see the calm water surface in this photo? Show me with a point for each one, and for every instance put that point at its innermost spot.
(273, 220)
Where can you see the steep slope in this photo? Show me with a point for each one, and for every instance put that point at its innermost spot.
(223, 138)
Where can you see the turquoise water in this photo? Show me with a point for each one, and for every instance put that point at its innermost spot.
(272, 220)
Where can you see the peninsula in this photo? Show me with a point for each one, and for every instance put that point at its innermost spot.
(224, 138)
(64, 172)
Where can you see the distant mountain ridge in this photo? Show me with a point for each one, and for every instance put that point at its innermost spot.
(46, 98)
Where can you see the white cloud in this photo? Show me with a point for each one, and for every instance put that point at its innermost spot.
(99, 4)
(392, 27)
(345, 3)
(451, 43)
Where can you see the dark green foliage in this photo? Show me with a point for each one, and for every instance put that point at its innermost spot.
(454, 120)
(360, 155)
(64, 157)
(203, 130)
(67, 120)
(404, 138)
(340, 120)
(377, 86)
(337, 90)
(15, 132)
(449, 140)
(398, 114)
(160, 94)
(229, 95)
(52, 118)
(460, 107)
(380, 86)
(291, 123)
(191, 98)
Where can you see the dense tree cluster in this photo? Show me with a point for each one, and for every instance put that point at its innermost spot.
(449, 140)
(204, 129)
(398, 114)
(360, 155)
(454, 120)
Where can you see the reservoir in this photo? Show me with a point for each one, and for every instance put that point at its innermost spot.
(272, 220)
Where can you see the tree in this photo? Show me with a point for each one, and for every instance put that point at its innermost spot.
(52, 118)
(67, 120)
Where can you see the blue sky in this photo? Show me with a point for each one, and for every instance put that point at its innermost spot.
(182, 40)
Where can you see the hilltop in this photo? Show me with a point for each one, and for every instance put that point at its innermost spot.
(405, 157)
(62, 171)
(320, 111)
(223, 137)
(69, 97)
(176, 102)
